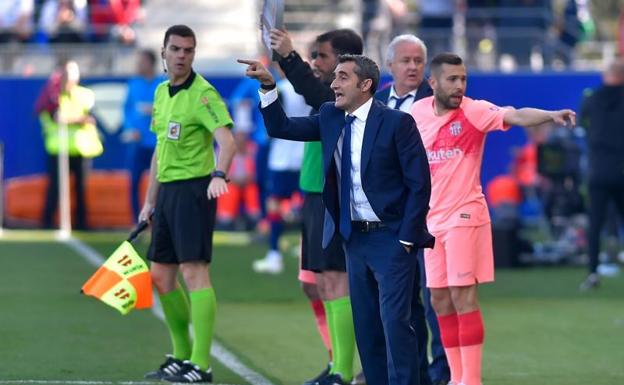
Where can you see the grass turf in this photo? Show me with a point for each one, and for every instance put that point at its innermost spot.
(539, 328)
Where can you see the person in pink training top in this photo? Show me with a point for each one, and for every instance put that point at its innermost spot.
(453, 129)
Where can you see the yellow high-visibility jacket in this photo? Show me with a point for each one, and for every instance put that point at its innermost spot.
(83, 138)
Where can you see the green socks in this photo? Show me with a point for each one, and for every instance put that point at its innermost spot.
(203, 309)
(176, 308)
(342, 334)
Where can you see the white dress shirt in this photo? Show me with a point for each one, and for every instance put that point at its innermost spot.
(361, 210)
(407, 104)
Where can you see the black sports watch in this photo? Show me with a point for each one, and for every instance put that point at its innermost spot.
(290, 57)
(268, 87)
(220, 174)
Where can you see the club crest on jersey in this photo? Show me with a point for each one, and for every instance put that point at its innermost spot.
(173, 131)
(455, 128)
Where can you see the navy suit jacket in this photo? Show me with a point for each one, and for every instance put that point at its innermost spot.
(394, 167)
(424, 90)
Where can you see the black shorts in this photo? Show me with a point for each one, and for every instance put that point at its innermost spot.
(282, 184)
(313, 257)
(183, 222)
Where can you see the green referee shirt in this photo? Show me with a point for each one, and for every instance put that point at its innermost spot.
(184, 120)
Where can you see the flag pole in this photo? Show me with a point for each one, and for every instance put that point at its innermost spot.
(64, 231)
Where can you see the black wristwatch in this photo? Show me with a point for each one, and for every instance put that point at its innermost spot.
(291, 55)
(219, 174)
(268, 87)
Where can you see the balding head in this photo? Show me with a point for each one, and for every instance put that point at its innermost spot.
(614, 74)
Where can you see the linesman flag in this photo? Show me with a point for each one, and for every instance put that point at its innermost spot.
(123, 281)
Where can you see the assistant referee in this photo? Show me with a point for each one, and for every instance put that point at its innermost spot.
(189, 115)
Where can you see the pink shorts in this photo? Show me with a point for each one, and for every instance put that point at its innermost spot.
(462, 256)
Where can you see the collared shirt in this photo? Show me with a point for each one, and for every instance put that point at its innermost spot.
(406, 106)
(184, 120)
(361, 209)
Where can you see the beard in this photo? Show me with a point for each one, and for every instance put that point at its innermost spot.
(445, 100)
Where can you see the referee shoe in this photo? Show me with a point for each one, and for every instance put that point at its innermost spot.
(333, 379)
(170, 367)
(319, 377)
(191, 374)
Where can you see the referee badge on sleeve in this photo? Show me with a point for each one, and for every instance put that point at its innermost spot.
(173, 131)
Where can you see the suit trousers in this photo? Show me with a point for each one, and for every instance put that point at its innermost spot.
(381, 283)
(438, 369)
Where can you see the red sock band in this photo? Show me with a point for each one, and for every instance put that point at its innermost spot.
(449, 330)
(321, 323)
(274, 217)
(471, 328)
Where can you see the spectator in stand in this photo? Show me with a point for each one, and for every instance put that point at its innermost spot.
(436, 24)
(113, 20)
(16, 20)
(137, 119)
(567, 29)
(64, 21)
(521, 28)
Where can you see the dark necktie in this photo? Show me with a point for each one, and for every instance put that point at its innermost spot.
(400, 101)
(345, 180)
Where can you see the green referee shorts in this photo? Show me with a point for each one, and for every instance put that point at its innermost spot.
(183, 222)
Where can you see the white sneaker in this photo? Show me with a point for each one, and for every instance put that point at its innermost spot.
(608, 269)
(271, 264)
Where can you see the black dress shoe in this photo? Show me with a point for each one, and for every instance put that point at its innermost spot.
(319, 377)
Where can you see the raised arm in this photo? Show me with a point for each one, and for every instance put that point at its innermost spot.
(527, 117)
(299, 73)
(278, 125)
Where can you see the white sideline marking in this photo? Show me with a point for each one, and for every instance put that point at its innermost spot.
(218, 351)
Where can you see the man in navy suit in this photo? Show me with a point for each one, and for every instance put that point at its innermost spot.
(376, 198)
(406, 58)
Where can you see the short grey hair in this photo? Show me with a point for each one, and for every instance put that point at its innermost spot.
(391, 51)
(365, 68)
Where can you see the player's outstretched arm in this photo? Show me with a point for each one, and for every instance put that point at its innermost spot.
(527, 117)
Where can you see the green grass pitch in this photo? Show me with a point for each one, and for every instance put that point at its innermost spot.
(539, 328)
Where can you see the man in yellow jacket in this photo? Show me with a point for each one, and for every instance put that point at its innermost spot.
(68, 104)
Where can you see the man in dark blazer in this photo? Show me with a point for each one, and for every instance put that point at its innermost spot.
(406, 58)
(377, 200)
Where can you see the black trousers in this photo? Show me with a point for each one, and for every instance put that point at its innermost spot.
(76, 167)
(600, 194)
